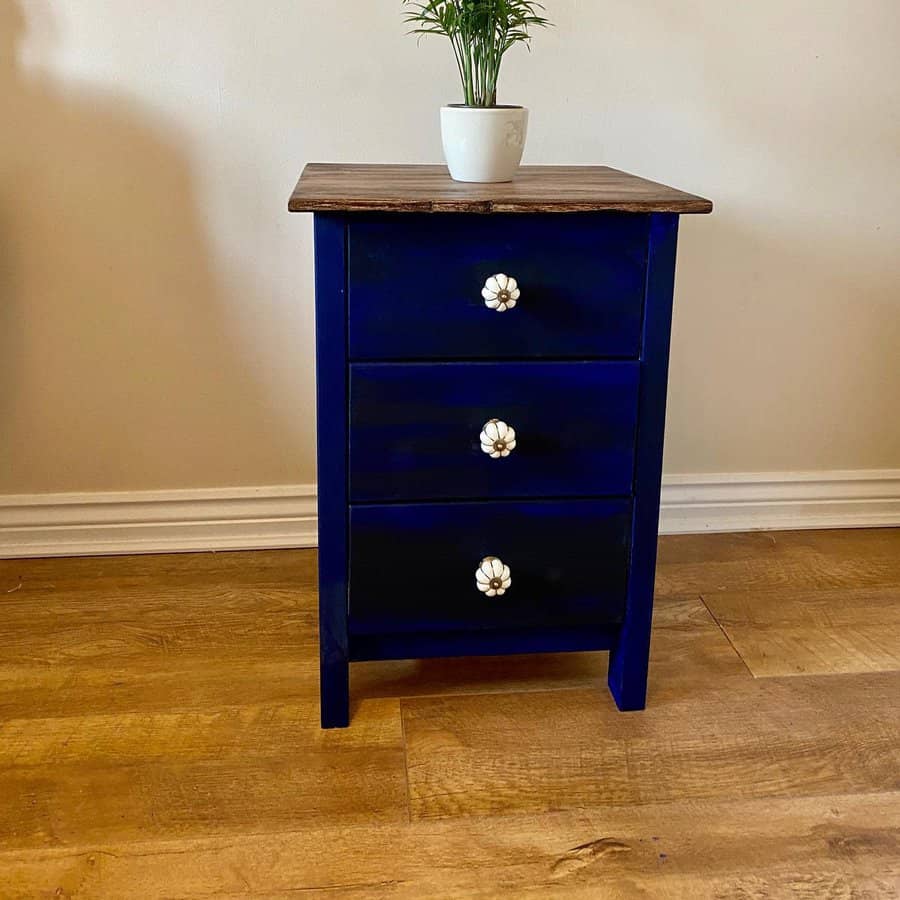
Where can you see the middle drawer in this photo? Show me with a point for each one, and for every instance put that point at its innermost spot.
(416, 430)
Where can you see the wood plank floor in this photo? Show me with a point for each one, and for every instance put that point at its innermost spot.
(159, 738)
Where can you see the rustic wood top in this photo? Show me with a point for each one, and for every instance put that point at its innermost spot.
(327, 187)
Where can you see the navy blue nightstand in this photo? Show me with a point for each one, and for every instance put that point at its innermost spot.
(492, 364)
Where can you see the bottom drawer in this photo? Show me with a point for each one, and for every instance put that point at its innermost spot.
(414, 568)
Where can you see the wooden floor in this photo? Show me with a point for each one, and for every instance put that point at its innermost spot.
(159, 738)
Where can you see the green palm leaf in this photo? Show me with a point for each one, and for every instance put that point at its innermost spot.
(480, 32)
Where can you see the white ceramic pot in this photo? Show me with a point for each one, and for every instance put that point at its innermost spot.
(483, 144)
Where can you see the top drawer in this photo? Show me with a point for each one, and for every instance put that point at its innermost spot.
(415, 286)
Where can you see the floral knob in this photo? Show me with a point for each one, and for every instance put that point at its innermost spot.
(492, 577)
(498, 439)
(500, 292)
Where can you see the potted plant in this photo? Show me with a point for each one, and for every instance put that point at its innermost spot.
(483, 141)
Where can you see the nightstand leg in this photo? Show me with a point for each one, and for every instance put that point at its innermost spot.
(628, 664)
(334, 673)
(331, 394)
(629, 658)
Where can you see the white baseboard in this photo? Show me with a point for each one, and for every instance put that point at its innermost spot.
(780, 501)
(285, 515)
(158, 521)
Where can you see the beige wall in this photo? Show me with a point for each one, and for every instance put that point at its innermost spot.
(156, 319)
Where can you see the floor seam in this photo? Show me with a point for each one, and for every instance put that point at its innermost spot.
(405, 764)
(727, 636)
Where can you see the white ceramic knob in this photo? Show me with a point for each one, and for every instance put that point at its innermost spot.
(501, 292)
(498, 439)
(492, 577)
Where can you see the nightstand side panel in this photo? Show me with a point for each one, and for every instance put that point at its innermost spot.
(331, 406)
(629, 657)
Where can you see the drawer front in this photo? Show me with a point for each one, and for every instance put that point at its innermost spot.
(415, 430)
(415, 286)
(413, 567)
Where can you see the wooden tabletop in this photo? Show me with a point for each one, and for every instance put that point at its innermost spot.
(387, 188)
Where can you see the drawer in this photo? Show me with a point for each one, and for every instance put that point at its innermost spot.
(415, 286)
(415, 429)
(413, 567)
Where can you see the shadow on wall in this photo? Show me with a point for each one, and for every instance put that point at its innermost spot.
(116, 367)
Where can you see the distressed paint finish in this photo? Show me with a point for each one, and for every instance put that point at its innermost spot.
(412, 364)
(629, 657)
(416, 285)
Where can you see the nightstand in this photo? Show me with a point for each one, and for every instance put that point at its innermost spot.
(491, 364)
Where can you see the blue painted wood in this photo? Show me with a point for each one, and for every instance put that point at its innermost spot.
(398, 288)
(481, 643)
(413, 566)
(331, 401)
(416, 281)
(414, 429)
(629, 658)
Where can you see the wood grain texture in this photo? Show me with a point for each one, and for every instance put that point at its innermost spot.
(152, 633)
(799, 603)
(536, 752)
(218, 770)
(810, 848)
(564, 189)
(794, 560)
(159, 736)
(813, 632)
(810, 632)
